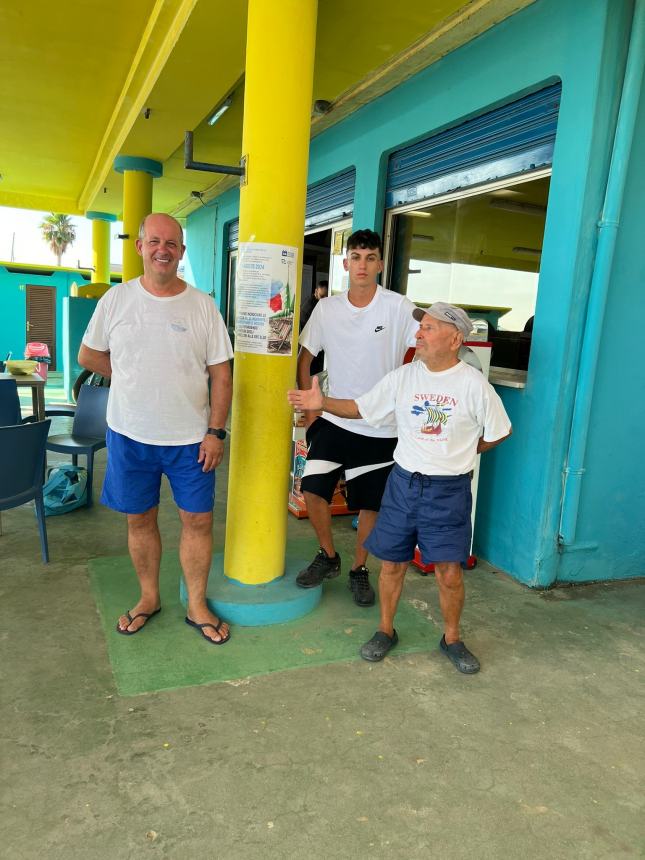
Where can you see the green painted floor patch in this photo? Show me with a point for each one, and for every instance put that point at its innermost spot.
(169, 654)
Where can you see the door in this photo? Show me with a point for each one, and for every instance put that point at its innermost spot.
(338, 277)
(41, 318)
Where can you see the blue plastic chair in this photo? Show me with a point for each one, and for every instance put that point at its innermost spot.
(10, 406)
(88, 431)
(22, 466)
(9, 403)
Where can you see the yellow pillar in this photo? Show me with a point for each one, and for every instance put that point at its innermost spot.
(277, 119)
(100, 245)
(138, 174)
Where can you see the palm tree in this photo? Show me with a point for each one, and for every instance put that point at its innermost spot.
(59, 233)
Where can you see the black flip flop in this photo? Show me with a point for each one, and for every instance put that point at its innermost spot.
(131, 618)
(216, 628)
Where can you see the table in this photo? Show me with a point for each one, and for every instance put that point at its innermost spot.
(37, 385)
(508, 377)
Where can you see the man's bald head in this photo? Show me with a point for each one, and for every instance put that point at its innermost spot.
(162, 215)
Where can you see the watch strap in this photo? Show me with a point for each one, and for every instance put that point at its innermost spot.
(219, 432)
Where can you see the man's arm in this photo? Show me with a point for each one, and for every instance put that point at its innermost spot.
(95, 360)
(304, 377)
(312, 399)
(211, 450)
(486, 446)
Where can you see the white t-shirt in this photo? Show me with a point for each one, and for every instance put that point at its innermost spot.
(159, 350)
(361, 345)
(440, 416)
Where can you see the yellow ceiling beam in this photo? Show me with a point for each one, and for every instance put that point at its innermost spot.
(165, 24)
(41, 202)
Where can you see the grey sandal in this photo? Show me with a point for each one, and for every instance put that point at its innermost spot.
(378, 646)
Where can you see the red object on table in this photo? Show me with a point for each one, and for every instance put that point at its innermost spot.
(35, 350)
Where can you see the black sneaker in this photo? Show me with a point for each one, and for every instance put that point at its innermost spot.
(322, 567)
(359, 585)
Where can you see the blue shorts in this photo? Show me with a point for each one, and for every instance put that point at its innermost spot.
(433, 512)
(134, 471)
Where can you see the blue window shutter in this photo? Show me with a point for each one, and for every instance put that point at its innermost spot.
(233, 235)
(327, 201)
(330, 200)
(507, 141)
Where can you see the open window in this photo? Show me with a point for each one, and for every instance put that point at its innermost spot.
(479, 249)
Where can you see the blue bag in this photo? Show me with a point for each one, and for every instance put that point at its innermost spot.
(65, 490)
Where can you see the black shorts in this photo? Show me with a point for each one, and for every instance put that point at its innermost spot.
(366, 461)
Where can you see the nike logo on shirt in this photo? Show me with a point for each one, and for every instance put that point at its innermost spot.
(379, 328)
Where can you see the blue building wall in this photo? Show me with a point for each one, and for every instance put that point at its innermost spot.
(583, 44)
(77, 313)
(612, 506)
(13, 302)
(206, 260)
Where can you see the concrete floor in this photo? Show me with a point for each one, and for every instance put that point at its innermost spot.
(538, 756)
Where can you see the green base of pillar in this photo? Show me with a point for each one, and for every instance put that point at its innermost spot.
(257, 605)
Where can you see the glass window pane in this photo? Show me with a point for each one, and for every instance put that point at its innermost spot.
(482, 251)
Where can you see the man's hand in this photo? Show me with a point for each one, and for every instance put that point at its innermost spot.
(306, 400)
(211, 452)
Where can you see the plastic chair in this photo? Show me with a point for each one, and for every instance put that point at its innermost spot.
(10, 406)
(88, 431)
(9, 403)
(22, 466)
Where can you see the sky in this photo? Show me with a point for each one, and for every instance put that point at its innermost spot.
(21, 240)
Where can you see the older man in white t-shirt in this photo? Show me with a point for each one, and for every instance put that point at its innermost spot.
(446, 414)
(162, 341)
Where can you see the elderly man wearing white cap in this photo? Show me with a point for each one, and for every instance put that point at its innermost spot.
(446, 413)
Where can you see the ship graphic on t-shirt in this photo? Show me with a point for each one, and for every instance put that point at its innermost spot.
(435, 416)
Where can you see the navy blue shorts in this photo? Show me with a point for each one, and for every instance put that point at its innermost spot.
(134, 471)
(433, 512)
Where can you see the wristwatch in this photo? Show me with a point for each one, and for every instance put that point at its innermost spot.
(216, 431)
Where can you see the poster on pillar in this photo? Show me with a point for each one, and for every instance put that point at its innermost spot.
(265, 294)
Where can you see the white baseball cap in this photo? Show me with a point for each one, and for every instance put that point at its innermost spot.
(448, 314)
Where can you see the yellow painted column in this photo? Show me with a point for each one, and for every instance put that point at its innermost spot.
(277, 119)
(100, 245)
(138, 174)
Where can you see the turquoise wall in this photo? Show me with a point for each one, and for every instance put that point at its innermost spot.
(77, 313)
(612, 504)
(583, 44)
(13, 304)
(206, 259)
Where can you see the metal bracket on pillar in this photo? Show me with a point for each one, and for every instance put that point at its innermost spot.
(189, 164)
